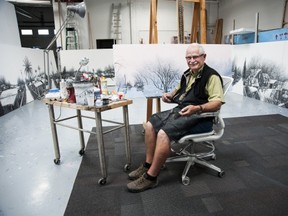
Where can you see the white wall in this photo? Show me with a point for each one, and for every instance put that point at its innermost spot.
(135, 26)
(99, 16)
(9, 27)
(244, 14)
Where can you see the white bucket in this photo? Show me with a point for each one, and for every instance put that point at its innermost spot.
(83, 91)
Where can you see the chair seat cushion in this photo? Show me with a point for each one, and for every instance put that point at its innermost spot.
(195, 137)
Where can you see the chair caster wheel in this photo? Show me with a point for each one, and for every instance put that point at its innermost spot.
(221, 174)
(127, 167)
(57, 161)
(81, 152)
(102, 181)
(186, 180)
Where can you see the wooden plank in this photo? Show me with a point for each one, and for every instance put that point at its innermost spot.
(149, 107)
(203, 19)
(218, 31)
(285, 15)
(153, 31)
(195, 1)
(153, 39)
(151, 28)
(155, 22)
(158, 104)
(195, 21)
(180, 11)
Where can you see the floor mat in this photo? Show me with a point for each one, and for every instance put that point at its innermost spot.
(253, 152)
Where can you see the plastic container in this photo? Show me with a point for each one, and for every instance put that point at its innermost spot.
(83, 90)
(63, 89)
(99, 102)
(97, 93)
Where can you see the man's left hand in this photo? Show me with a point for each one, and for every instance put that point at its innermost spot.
(189, 110)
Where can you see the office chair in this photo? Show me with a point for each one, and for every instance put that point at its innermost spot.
(184, 148)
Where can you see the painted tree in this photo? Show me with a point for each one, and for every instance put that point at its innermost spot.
(237, 75)
(109, 71)
(28, 68)
(266, 66)
(160, 74)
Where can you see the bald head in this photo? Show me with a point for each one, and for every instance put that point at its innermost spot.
(195, 48)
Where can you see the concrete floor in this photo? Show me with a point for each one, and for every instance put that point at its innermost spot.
(31, 184)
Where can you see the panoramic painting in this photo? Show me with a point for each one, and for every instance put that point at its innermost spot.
(90, 65)
(260, 71)
(22, 76)
(149, 70)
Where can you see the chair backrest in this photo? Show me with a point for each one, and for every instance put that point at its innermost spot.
(227, 82)
(219, 123)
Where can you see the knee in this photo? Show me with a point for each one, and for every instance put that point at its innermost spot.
(149, 126)
(163, 136)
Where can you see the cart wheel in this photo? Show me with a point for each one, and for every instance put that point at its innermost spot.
(57, 161)
(127, 167)
(81, 152)
(102, 181)
(221, 174)
(186, 181)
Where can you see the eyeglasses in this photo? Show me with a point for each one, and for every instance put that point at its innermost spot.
(193, 57)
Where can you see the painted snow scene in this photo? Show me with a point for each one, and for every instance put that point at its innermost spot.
(149, 70)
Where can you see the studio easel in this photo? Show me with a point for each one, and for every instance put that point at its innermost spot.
(199, 19)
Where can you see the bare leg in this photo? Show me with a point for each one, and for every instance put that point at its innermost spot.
(161, 153)
(150, 142)
(157, 151)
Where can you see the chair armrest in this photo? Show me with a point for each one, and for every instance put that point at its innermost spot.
(209, 114)
(215, 134)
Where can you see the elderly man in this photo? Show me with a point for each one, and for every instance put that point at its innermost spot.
(200, 90)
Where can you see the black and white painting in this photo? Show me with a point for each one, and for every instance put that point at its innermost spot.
(22, 76)
(261, 71)
(151, 69)
(99, 64)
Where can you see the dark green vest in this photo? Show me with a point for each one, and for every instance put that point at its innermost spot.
(197, 94)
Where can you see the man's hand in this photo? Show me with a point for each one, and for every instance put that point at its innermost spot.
(211, 106)
(167, 97)
(189, 110)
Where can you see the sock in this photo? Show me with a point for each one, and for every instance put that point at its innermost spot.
(147, 165)
(149, 177)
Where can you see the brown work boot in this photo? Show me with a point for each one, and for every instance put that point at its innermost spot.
(137, 173)
(141, 184)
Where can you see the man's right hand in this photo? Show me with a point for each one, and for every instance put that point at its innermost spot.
(167, 97)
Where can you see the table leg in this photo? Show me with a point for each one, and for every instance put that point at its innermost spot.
(54, 134)
(100, 141)
(127, 138)
(81, 133)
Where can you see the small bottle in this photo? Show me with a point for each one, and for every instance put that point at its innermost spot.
(63, 89)
(104, 87)
(97, 93)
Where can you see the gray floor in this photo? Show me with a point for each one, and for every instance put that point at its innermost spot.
(31, 184)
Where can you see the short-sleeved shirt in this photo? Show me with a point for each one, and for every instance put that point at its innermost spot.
(213, 86)
(177, 126)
